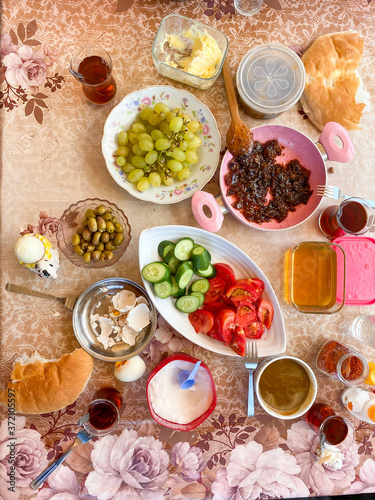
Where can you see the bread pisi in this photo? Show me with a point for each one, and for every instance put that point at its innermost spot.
(41, 385)
(332, 81)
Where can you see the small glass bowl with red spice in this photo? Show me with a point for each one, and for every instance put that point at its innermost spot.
(342, 363)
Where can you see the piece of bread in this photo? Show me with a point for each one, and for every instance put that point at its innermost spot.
(331, 80)
(40, 385)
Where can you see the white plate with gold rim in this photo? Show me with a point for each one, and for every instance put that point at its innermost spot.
(273, 341)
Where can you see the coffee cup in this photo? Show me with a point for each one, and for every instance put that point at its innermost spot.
(285, 386)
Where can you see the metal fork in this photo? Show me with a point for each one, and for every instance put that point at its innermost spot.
(251, 362)
(335, 193)
(81, 438)
(67, 301)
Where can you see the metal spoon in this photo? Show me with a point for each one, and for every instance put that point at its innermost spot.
(240, 139)
(186, 378)
(77, 75)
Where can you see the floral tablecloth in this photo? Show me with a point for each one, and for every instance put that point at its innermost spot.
(51, 157)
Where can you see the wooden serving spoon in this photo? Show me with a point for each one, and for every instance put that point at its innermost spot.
(240, 139)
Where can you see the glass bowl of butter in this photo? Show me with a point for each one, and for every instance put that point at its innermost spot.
(188, 51)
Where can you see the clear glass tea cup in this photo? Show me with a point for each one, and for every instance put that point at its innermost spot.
(103, 417)
(92, 67)
(353, 216)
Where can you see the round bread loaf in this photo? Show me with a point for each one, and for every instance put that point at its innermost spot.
(40, 385)
(331, 80)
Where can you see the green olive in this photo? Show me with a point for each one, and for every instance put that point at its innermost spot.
(87, 235)
(107, 216)
(85, 223)
(96, 238)
(119, 228)
(114, 220)
(102, 225)
(95, 256)
(78, 250)
(100, 247)
(92, 225)
(106, 256)
(85, 245)
(76, 240)
(110, 227)
(105, 237)
(80, 230)
(100, 210)
(90, 213)
(112, 236)
(91, 247)
(110, 246)
(119, 239)
(87, 256)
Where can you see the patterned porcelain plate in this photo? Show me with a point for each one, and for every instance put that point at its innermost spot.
(273, 341)
(125, 113)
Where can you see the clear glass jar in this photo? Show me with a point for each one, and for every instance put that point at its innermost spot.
(342, 363)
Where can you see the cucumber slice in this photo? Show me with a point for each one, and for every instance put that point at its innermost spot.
(156, 272)
(200, 296)
(167, 249)
(184, 274)
(201, 285)
(187, 303)
(201, 258)
(210, 272)
(173, 262)
(163, 289)
(176, 290)
(184, 248)
(162, 245)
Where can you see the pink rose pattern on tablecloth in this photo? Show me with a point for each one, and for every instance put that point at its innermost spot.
(23, 456)
(47, 226)
(24, 70)
(128, 466)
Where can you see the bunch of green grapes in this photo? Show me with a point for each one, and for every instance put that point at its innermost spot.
(160, 146)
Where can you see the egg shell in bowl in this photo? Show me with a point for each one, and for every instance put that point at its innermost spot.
(194, 423)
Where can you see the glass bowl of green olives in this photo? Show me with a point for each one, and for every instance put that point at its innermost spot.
(93, 233)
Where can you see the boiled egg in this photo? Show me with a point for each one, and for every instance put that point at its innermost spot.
(29, 249)
(130, 370)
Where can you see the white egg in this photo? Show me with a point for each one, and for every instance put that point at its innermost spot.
(130, 370)
(138, 318)
(124, 301)
(29, 249)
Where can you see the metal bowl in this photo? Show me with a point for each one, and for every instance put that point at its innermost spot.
(95, 300)
(73, 218)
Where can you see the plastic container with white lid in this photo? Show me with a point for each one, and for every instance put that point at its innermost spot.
(270, 79)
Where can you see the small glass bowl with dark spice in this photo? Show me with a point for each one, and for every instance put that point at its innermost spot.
(342, 363)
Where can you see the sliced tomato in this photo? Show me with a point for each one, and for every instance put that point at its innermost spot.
(213, 307)
(214, 334)
(240, 291)
(225, 322)
(254, 331)
(246, 313)
(226, 273)
(255, 283)
(215, 291)
(202, 320)
(265, 313)
(238, 342)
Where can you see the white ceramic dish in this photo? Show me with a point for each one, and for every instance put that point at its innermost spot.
(306, 405)
(125, 113)
(273, 341)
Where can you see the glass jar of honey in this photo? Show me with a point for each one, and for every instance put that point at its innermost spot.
(342, 363)
(312, 272)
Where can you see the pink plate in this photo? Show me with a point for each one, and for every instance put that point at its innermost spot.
(360, 270)
(296, 145)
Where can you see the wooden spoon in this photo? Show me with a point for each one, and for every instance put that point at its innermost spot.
(240, 139)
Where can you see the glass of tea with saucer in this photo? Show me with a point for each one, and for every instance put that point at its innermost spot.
(102, 415)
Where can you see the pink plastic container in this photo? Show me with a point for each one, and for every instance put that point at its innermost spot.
(360, 270)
